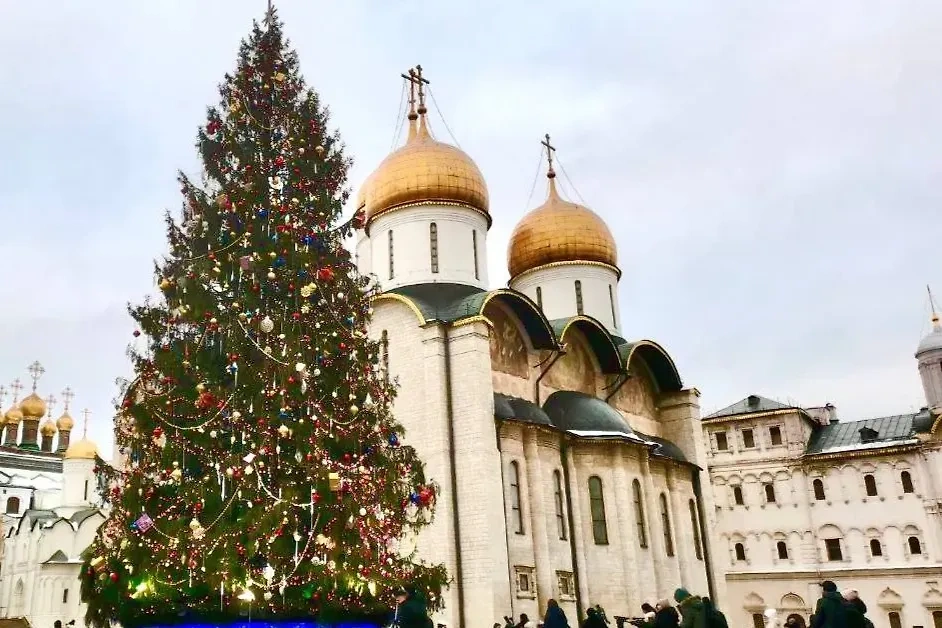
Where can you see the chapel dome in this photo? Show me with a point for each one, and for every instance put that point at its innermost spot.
(424, 171)
(33, 407)
(65, 422)
(560, 231)
(48, 428)
(13, 416)
(933, 341)
(83, 449)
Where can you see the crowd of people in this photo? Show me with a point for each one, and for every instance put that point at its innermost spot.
(839, 609)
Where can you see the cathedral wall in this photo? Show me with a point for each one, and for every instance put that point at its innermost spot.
(637, 400)
(558, 296)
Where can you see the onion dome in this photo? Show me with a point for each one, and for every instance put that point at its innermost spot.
(424, 172)
(48, 428)
(83, 449)
(65, 422)
(559, 231)
(933, 341)
(13, 416)
(33, 407)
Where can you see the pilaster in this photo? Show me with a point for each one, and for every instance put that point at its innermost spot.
(579, 529)
(536, 482)
(655, 533)
(622, 488)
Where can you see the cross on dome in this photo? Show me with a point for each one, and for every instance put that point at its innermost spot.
(550, 149)
(36, 371)
(15, 388)
(67, 396)
(3, 394)
(50, 402)
(85, 414)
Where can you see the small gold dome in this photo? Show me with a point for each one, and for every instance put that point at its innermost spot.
(48, 428)
(424, 171)
(33, 407)
(13, 416)
(83, 449)
(65, 422)
(560, 231)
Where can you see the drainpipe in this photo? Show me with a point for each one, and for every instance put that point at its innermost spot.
(704, 539)
(560, 352)
(576, 577)
(618, 386)
(455, 518)
(510, 569)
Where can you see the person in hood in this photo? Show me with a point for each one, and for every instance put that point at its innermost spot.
(692, 613)
(593, 619)
(412, 611)
(666, 616)
(715, 619)
(830, 611)
(554, 617)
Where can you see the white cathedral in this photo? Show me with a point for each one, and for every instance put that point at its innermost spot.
(593, 437)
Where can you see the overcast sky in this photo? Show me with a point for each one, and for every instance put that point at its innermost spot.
(770, 170)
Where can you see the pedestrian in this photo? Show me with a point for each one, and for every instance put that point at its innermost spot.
(666, 615)
(601, 612)
(411, 611)
(691, 609)
(830, 611)
(554, 617)
(715, 619)
(525, 622)
(856, 610)
(593, 619)
(852, 597)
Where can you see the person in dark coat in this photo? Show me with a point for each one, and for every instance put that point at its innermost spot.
(554, 617)
(691, 609)
(412, 612)
(715, 618)
(593, 619)
(830, 611)
(666, 616)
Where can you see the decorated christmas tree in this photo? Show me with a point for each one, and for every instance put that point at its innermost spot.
(263, 468)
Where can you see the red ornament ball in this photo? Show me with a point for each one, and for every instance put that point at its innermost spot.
(113, 576)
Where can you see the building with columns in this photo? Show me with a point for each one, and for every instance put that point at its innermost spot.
(535, 388)
(801, 497)
(51, 508)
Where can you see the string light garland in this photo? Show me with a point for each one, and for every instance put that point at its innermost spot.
(262, 459)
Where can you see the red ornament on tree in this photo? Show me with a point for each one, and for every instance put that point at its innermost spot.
(325, 274)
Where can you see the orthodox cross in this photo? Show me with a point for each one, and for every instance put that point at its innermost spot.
(50, 402)
(3, 395)
(67, 396)
(36, 371)
(550, 149)
(412, 81)
(85, 414)
(15, 388)
(932, 304)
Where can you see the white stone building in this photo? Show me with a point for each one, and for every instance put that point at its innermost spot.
(51, 510)
(802, 497)
(533, 388)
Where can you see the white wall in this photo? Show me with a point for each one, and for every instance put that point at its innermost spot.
(557, 292)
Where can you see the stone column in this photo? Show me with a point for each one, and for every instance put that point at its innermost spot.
(683, 543)
(655, 533)
(629, 541)
(536, 484)
(579, 530)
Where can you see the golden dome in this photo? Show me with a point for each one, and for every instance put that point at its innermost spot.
(33, 407)
(13, 416)
(424, 171)
(560, 231)
(48, 428)
(83, 449)
(65, 422)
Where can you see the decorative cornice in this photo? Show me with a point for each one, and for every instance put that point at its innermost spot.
(861, 453)
(427, 203)
(614, 269)
(817, 575)
(748, 415)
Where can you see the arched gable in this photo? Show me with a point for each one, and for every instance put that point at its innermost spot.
(508, 346)
(538, 328)
(600, 340)
(398, 298)
(656, 359)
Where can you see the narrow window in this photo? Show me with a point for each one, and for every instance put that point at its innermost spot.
(578, 297)
(639, 514)
(870, 483)
(86, 491)
(915, 547)
(391, 258)
(697, 548)
(385, 359)
(558, 495)
(666, 522)
(876, 548)
(539, 297)
(895, 621)
(748, 439)
(611, 302)
(474, 247)
(758, 620)
(936, 619)
(818, 490)
(737, 496)
(775, 435)
(782, 550)
(721, 443)
(13, 506)
(515, 509)
(65, 596)
(833, 547)
(597, 508)
(907, 480)
(770, 493)
(740, 550)
(433, 245)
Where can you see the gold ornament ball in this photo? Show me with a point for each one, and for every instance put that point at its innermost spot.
(319, 150)
(354, 410)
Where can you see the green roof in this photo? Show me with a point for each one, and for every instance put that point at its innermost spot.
(444, 301)
(750, 405)
(876, 433)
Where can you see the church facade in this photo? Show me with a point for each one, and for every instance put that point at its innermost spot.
(568, 457)
(803, 497)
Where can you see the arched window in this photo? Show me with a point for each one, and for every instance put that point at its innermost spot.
(515, 509)
(391, 256)
(474, 247)
(13, 506)
(558, 499)
(915, 547)
(737, 496)
(539, 297)
(384, 342)
(818, 485)
(907, 481)
(782, 550)
(895, 621)
(666, 523)
(65, 596)
(639, 514)
(433, 245)
(695, 526)
(611, 302)
(876, 548)
(937, 619)
(740, 551)
(870, 483)
(578, 297)
(758, 620)
(770, 493)
(597, 508)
